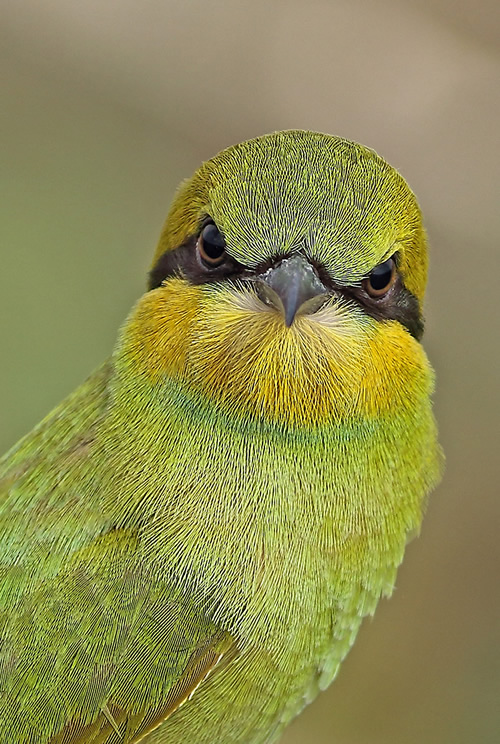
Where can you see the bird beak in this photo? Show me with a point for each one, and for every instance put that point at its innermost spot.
(292, 286)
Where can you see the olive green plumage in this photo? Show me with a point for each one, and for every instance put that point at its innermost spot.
(190, 541)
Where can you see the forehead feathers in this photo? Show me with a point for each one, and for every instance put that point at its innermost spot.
(338, 201)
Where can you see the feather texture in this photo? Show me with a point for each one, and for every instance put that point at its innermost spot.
(190, 541)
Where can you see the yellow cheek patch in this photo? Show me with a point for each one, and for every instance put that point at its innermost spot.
(396, 371)
(332, 365)
(157, 335)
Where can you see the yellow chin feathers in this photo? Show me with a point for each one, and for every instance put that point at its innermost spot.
(336, 364)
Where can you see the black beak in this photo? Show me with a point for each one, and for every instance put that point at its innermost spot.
(292, 286)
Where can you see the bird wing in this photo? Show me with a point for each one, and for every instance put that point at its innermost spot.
(102, 652)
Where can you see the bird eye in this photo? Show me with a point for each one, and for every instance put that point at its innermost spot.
(381, 279)
(211, 246)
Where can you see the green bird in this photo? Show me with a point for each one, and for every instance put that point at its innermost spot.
(190, 541)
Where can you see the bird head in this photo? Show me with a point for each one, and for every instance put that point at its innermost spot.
(287, 285)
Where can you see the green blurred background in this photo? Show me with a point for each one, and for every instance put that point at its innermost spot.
(107, 105)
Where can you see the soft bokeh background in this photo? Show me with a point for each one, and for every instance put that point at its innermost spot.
(107, 104)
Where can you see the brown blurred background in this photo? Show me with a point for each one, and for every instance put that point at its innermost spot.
(107, 104)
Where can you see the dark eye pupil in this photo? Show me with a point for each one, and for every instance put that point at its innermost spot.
(214, 244)
(381, 275)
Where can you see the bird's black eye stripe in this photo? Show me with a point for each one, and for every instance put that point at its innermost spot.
(211, 263)
(171, 263)
(398, 304)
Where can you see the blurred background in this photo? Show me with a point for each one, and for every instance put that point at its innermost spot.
(108, 104)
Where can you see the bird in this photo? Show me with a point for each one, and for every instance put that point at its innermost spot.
(190, 541)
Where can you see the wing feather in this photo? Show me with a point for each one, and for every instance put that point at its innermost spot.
(103, 646)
